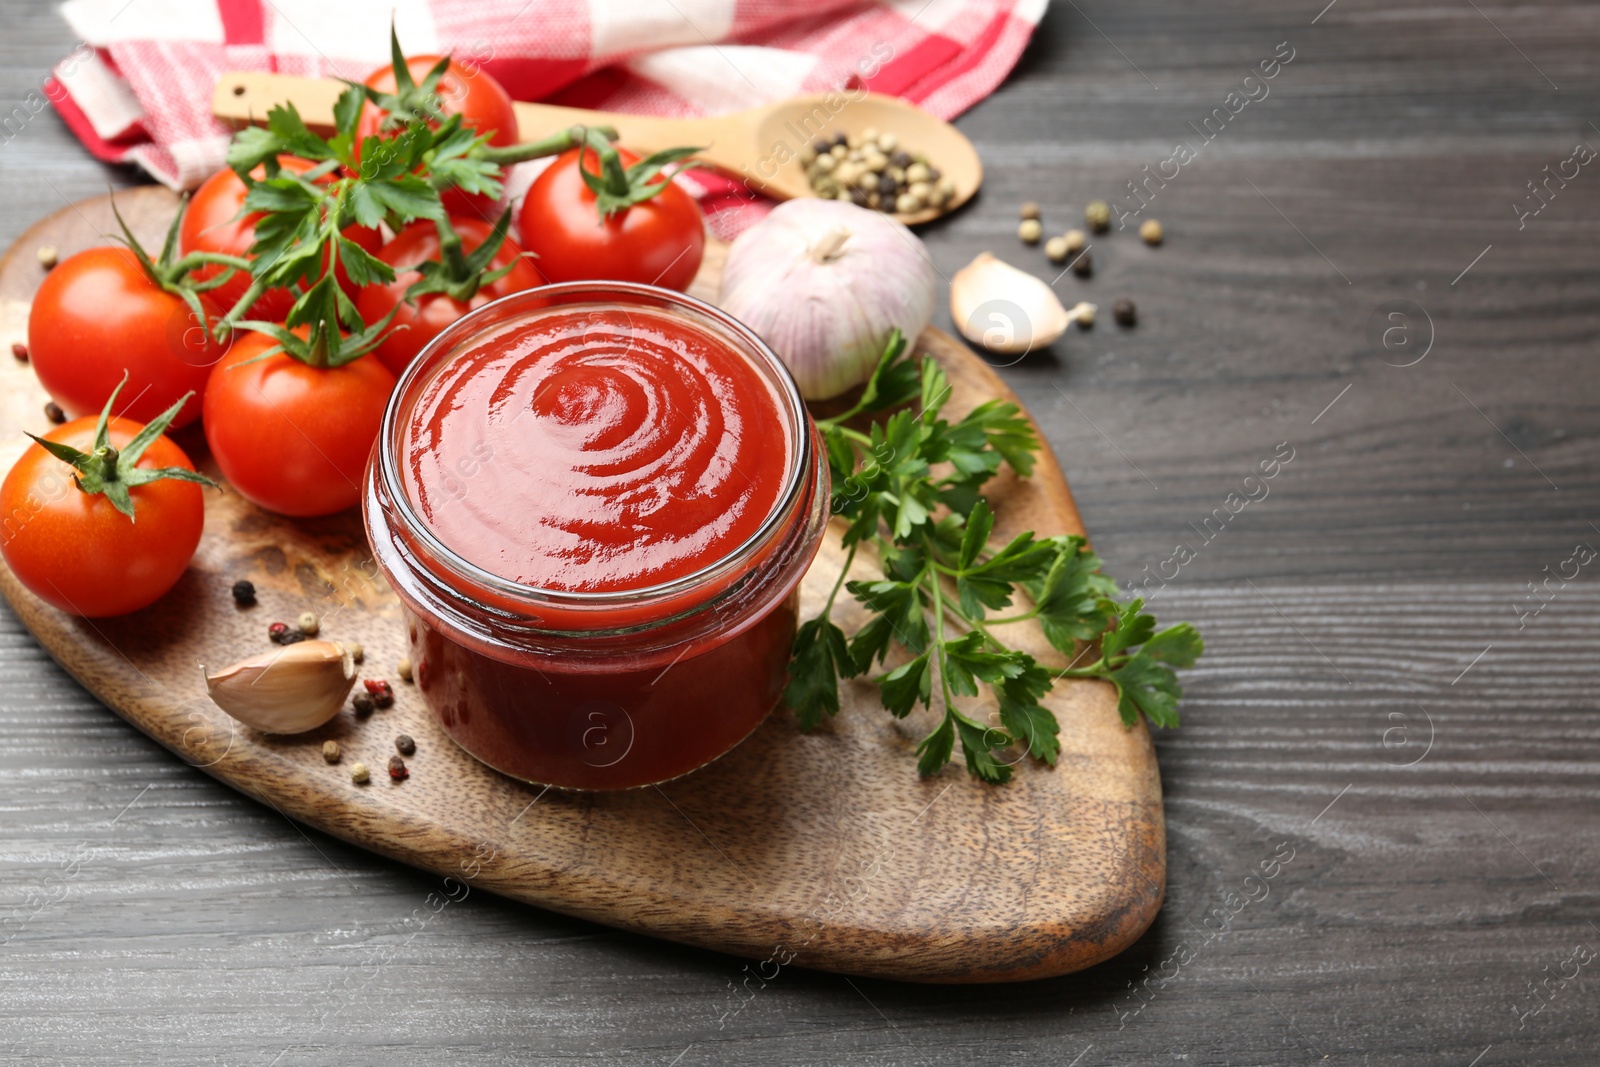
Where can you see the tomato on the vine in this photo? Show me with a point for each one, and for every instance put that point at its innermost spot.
(289, 436)
(414, 325)
(102, 515)
(468, 91)
(657, 241)
(97, 315)
(213, 224)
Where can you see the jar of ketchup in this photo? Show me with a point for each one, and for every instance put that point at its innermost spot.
(596, 501)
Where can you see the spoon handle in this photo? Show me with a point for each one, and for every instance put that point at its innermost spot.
(244, 97)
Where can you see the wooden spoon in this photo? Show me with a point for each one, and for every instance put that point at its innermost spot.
(759, 146)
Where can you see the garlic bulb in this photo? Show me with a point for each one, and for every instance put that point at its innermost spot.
(1005, 309)
(824, 282)
(286, 691)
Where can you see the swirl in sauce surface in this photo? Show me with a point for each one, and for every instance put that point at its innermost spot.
(596, 450)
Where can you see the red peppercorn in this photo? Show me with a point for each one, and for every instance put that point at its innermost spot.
(282, 633)
(397, 769)
(19, 350)
(382, 694)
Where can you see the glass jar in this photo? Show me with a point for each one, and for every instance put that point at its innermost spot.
(607, 689)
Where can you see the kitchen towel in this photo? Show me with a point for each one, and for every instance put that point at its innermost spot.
(138, 87)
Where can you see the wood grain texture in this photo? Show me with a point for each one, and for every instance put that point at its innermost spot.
(792, 848)
(206, 928)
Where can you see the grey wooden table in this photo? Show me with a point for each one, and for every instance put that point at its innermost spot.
(1347, 274)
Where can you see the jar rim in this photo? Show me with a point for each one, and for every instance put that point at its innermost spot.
(498, 314)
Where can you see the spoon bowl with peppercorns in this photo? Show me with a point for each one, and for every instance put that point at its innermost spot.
(886, 153)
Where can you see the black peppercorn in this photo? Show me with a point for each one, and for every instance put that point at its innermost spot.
(1083, 266)
(901, 159)
(405, 744)
(53, 412)
(244, 593)
(397, 769)
(1124, 312)
(821, 145)
(887, 186)
(363, 705)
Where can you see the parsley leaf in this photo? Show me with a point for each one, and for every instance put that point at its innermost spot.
(821, 656)
(1071, 598)
(905, 685)
(1145, 679)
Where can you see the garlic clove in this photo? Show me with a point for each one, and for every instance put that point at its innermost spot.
(1005, 309)
(288, 690)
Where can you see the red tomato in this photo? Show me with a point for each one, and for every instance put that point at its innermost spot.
(417, 324)
(213, 225)
(291, 437)
(96, 315)
(657, 242)
(470, 92)
(75, 550)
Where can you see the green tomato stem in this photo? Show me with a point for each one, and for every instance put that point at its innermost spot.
(553, 145)
(108, 457)
(242, 305)
(450, 250)
(195, 260)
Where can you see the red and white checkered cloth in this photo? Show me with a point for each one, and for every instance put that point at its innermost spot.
(139, 88)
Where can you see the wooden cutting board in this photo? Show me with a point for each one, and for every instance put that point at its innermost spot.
(823, 850)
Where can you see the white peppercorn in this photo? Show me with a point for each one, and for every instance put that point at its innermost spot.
(1097, 213)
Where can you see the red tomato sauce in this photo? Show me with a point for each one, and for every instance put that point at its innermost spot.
(646, 477)
(597, 451)
(616, 730)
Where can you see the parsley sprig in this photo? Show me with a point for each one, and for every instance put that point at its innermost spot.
(393, 179)
(908, 488)
(299, 233)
